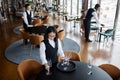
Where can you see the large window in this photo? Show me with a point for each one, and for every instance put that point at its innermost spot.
(107, 13)
(72, 7)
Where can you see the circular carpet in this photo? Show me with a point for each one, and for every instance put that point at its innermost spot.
(16, 29)
(18, 52)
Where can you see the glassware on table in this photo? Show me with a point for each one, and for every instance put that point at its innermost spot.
(89, 65)
(66, 59)
(49, 62)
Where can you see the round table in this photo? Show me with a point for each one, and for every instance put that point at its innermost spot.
(81, 73)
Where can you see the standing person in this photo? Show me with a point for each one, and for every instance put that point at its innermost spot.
(50, 48)
(28, 22)
(92, 12)
(1, 18)
(27, 17)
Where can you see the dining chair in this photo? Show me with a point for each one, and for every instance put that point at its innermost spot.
(25, 35)
(61, 35)
(29, 69)
(37, 22)
(94, 30)
(57, 27)
(107, 34)
(46, 20)
(35, 40)
(112, 70)
(74, 56)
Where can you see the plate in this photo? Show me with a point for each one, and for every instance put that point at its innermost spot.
(66, 67)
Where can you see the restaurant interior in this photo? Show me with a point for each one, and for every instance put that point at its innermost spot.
(67, 16)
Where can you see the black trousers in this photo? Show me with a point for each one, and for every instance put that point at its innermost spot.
(87, 28)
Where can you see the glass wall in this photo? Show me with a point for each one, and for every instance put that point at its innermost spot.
(72, 7)
(107, 11)
(91, 3)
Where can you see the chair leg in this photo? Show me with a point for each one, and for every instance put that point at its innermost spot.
(96, 36)
(25, 41)
(106, 39)
(99, 37)
(62, 42)
(31, 49)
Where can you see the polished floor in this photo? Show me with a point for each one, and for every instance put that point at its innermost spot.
(96, 53)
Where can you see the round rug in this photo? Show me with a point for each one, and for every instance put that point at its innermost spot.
(18, 52)
(16, 29)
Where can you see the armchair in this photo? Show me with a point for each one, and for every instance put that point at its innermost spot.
(35, 40)
(61, 35)
(112, 70)
(25, 36)
(29, 69)
(107, 34)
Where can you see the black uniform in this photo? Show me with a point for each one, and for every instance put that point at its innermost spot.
(35, 30)
(87, 23)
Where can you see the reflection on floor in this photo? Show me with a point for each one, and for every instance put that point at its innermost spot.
(95, 52)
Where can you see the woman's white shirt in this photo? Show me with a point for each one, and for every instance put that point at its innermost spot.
(43, 48)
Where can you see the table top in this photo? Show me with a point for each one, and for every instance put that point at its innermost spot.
(81, 73)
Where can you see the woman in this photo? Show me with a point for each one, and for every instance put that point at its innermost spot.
(50, 48)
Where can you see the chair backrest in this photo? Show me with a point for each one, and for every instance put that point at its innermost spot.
(61, 34)
(35, 39)
(74, 55)
(46, 20)
(57, 27)
(37, 22)
(109, 31)
(29, 69)
(25, 35)
(112, 70)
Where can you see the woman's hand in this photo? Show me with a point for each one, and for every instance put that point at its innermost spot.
(47, 67)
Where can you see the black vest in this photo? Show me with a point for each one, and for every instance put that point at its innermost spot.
(51, 53)
(29, 19)
(89, 14)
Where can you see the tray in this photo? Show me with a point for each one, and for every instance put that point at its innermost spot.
(66, 68)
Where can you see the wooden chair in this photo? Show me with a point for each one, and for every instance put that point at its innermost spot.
(35, 40)
(57, 27)
(25, 35)
(112, 70)
(74, 56)
(37, 22)
(29, 69)
(46, 20)
(61, 35)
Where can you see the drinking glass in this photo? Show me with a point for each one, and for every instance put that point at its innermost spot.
(66, 59)
(89, 65)
(49, 65)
